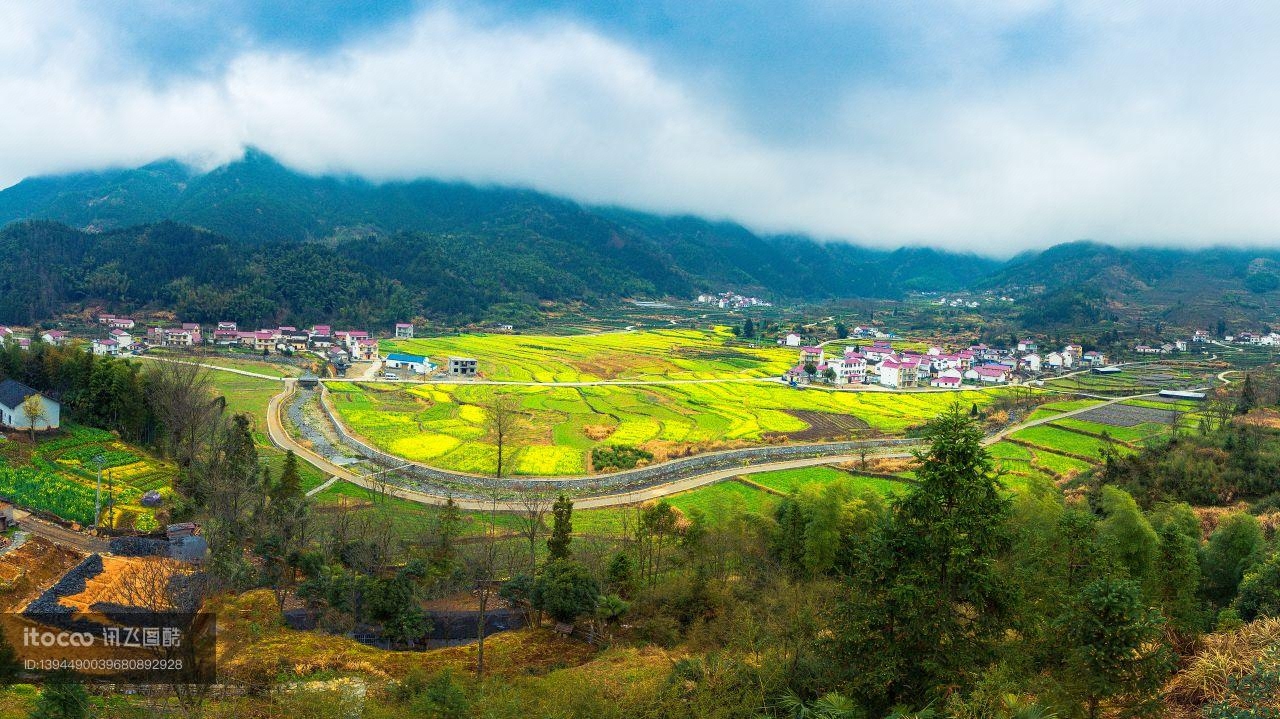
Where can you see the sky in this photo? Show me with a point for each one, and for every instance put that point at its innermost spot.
(993, 127)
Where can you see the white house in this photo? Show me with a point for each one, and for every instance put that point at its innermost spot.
(1054, 360)
(1031, 362)
(123, 339)
(414, 363)
(404, 330)
(947, 378)
(54, 337)
(106, 348)
(792, 340)
(14, 416)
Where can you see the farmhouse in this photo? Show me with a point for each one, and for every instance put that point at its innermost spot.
(1032, 362)
(414, 363)
(811, 354)
(900, 372)
(792, 340)
(54, 337)
(13, 415)
(993, 374)
(461, 366)
(5, 335)
(106, 348)
(949, 378)
(1055, 360)
(404, 331)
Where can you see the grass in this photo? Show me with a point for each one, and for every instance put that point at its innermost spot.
(650, 354)
(444, 424)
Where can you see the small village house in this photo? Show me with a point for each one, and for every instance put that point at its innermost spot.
(414, 363)
(460, 366)
(13, 414)
(792, 340)
(404, 331)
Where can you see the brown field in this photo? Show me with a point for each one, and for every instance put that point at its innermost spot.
(822, 426)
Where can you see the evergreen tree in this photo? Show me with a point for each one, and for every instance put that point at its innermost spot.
(565, 590)
(1115, 656)
(1248, 395)
(1176, 580)
(927, 605)
(561, 528)
(749, 329)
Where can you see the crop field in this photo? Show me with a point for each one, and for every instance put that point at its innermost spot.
(789, 480)
(444, 424)
(1123, 415)
(644, 355)
(59, 476)
(1135, 379)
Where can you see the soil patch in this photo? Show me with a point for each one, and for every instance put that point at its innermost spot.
(822, 425)
(1124, 415)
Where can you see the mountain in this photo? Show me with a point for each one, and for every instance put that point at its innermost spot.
(1077, 281)
(529, 246)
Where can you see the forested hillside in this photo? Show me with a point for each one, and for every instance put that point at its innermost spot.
(509, 245)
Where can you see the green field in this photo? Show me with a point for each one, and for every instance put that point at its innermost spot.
(59, 475)
(649, 354)
(250, 395)
(444, 424)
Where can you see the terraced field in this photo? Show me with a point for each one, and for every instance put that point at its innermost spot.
(642, 355)
(443, 424)
(59, 475)
(1134, 379)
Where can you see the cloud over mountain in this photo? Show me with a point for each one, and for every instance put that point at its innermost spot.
(1014, 126)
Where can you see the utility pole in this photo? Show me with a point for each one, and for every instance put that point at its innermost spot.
(97, 502)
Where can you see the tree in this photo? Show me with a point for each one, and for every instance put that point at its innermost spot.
(1176, 579)
(501, 423)
(621, 574)
(657, 522)
(749, 329)
(1248, 398)
(566, 590)
(1127, 533)
(925, 603)
(810, 369)
(1115, 656)
(533, 510)
(181, 394)
(829, 374)
(842, 332)
(1232, 549)
(1260, 591)
(63, 697)
(33, 408)
(561, 528)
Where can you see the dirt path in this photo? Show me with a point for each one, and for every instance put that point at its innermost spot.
(60, 535)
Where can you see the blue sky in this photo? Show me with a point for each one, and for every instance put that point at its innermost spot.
(995, 126)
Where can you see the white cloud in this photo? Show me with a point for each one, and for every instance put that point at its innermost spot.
(1154, 126)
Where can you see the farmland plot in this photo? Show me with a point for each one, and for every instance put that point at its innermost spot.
(444, 425)
(646, 355)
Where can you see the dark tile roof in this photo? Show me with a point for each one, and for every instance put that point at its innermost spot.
(13, 392)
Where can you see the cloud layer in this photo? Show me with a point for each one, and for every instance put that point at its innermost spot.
(1016, 126)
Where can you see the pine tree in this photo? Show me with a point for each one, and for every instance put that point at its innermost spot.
(927, 604)
(561, 528)
(1248, 396)
(1115, 654)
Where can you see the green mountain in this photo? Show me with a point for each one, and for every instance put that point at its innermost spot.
(439, 249)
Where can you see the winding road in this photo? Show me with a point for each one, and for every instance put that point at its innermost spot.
(280, 436)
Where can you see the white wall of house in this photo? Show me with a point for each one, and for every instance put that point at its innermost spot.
(16, 417)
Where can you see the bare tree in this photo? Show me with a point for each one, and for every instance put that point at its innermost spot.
(502, 423)
(533, 510)
(181, 394)
(485, 565)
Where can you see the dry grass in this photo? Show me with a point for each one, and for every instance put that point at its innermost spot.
(1221, 658)
(598, 432)
(252, 644)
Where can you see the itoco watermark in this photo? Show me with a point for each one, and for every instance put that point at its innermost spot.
(32, 637)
